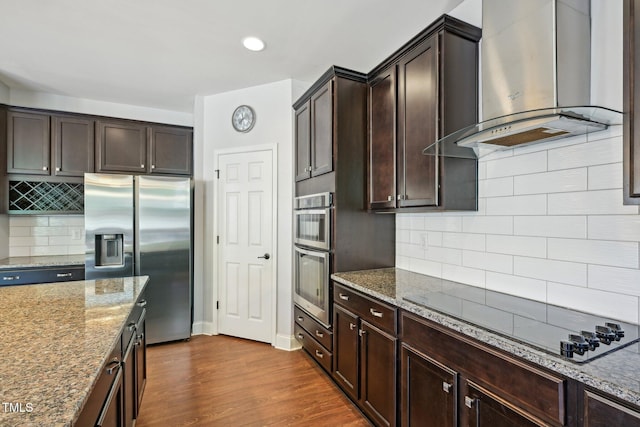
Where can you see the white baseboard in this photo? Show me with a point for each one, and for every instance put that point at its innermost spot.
(287, 342)
(202, 328)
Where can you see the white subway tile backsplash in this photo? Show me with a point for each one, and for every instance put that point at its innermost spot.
(62, 241)
(495, 187)
(551, 182)
(76, 249)
(470, 276)
(474, 242)
(614, 227)
(19, 231)
(28, 221)
(615, 254)
(486, 224)
(66, 221)
(519, 286)
(444, 255)
(517, 205)
(517, 165)
(614, 279)
(20, 251)
(572, 273)
(601, 202)
(48, 250)
(422, 266)
(517, 245)
(588, 154)
(488, 261)
(443, 223)
(28, 241)
(550, 226)
(49, 231)
(603, 177)
(594, 301)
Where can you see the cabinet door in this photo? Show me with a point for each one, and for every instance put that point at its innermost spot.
(113, 412)
(417, 125)
(121, 147)
(73, 145)
(28, 142)
(140, 356)
(170, 150)
(303, 141)
(128, 381)
(382, 140)
(322, 130)
(602, 412)
(378, 374)
(346, 350)
(484, 408)
(429, 391)
(631, 101)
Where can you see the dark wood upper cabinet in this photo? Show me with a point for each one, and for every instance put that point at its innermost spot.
(28, 143)
(631, 100)
(121, 147)
(303, 141)
(417, 125)
(314, 134)
(432, 85)
(72, 145)
(170, 150)
(382, 143)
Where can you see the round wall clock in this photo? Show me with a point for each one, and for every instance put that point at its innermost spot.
(243, 118)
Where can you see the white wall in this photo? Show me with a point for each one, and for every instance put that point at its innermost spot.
(272, 103)
(50, 101)
(4, 93)
(551, 225)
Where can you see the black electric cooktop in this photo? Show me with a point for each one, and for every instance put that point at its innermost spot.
(577, 336)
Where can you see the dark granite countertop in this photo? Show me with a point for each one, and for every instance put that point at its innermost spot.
(55, 341)
(13, 263)
(615, 373)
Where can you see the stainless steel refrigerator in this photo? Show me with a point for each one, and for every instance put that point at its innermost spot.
(142, 225)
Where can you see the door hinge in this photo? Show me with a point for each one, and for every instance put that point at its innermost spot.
(217, 305)
(217, 171)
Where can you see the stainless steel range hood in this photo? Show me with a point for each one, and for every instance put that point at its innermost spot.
(536, 78)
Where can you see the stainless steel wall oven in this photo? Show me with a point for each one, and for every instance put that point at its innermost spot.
(312, 254)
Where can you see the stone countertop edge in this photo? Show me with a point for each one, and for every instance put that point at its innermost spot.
(597, 378)
(12, 263)
(54, 363)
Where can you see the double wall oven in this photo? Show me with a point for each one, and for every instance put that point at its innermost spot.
(313, 217)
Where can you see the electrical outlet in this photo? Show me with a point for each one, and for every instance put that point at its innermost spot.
(76, 234)
(423, 241)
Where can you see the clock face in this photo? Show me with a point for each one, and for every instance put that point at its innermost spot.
(243, 118)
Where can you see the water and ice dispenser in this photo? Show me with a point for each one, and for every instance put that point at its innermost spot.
(109, 250)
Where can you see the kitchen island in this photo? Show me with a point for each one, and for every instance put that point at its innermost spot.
(56, 339)
(512, 326)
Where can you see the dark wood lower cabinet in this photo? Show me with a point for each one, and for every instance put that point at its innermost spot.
(365, 355)
(113, 410)
(600, 411)
(429, 391)
(140, 356)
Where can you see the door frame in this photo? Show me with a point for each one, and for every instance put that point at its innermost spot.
(273, 148)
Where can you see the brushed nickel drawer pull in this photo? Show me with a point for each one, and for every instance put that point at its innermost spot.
(376, 313)
(64, 274)
(10, 277)
(468, 402)
(352, 326)
(446, 387)
(300, 336)
(300, 319)
(343, 296)
(319, 334)
(319, 354)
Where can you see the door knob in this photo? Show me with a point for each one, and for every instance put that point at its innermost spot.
(265, 256)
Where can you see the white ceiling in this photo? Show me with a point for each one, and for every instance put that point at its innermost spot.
(161, 53)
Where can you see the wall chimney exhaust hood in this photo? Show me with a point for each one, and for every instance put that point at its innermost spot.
(536, 78)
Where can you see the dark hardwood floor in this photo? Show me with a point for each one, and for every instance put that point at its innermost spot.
(225, 381)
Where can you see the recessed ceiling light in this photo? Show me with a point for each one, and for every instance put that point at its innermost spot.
(253, 43)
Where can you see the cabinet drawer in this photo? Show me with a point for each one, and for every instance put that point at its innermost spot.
(319, 353)
(498, 372)
(319, 332)
(41, 275)
(377, 313)
(132, 322)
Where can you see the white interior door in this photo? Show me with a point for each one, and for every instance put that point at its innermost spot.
(245, 248)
